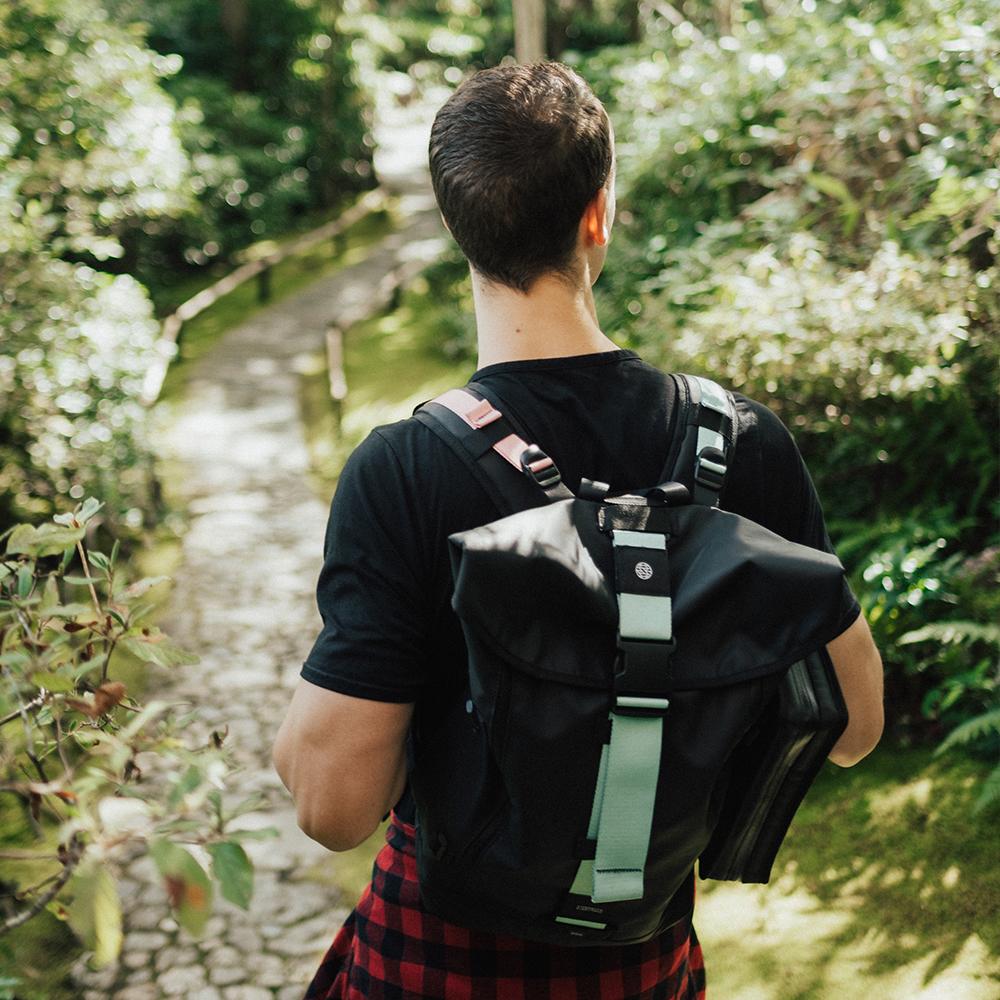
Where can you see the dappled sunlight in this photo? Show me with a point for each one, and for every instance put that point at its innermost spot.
(887, 884)
(763, 943)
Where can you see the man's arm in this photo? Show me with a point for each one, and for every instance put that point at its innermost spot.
(343, 760)
(858, 666)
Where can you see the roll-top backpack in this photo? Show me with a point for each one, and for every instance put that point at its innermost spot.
(648, 687)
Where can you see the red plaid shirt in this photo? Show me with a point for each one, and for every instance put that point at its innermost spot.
(391, 948)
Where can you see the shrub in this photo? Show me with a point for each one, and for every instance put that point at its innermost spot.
(82, 749)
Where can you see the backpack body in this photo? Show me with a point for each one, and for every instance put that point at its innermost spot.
(647, 687)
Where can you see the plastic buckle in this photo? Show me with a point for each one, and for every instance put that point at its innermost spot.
(642, 677)
(538, 466)
(593, 489)
(710, 468)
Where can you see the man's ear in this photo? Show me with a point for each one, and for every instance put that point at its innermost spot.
(595, 219)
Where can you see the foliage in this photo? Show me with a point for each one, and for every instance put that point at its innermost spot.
(87, 142)
(95, 772)
(810, 212)
(270, 113)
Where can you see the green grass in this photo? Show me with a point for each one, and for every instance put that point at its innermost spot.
(392, 362)
(200, 334)
(886, 886)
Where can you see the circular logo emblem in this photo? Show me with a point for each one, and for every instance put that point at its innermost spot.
(643, 570)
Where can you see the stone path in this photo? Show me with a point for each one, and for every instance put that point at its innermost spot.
(243, 599)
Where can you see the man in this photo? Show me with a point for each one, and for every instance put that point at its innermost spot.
(522, 162)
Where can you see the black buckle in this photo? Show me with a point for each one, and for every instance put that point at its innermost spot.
(538, 466)
(710, 468)
(642, 674)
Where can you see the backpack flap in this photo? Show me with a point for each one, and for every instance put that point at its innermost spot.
(537, 587)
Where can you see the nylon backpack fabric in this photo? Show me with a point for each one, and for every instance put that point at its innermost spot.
(505, 788)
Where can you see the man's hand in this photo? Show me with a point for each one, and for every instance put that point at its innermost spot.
(858, 667)
(344, 761)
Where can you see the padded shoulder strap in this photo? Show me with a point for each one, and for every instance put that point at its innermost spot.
(516, 475)
(708, 414)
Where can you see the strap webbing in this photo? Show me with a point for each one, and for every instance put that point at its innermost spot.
(621, 818)
(486, 441)
(627, 808)
(709, 415)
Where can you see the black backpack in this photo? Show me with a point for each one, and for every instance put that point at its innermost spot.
(648, 687)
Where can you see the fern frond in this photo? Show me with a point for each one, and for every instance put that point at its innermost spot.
(971, 730)
(952, 632)
(990, 792)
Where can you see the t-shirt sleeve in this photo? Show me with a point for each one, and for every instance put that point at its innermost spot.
(371, 595)
(785, 500)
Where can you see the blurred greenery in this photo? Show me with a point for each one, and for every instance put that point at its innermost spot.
(140, 143)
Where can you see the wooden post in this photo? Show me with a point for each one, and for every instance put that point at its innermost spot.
(529, 30)
(335, 370)
(264, 284)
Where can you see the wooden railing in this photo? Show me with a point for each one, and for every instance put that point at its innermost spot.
(167, 344)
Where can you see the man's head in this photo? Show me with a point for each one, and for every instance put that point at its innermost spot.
(517, 154)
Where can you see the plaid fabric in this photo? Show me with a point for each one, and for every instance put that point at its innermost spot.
(390, 948)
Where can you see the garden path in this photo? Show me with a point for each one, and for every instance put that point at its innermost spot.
(243, 598)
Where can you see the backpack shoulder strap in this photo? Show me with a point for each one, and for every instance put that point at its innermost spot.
(486, 442)
(707, 413)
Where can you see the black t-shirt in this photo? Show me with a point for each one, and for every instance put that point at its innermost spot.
(384, 591)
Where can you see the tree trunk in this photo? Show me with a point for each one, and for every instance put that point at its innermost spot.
(234, 16)
(529, 30)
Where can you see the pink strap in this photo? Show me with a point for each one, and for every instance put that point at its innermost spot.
(479, 413)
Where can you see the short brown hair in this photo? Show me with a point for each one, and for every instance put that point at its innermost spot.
(516, 155)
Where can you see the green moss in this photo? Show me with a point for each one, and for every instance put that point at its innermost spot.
(392, 362)
(885, 885)
(200, 334)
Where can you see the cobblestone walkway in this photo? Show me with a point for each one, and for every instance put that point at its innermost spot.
(243, 599)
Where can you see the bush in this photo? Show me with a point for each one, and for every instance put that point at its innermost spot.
(83, 751)
(87, 143)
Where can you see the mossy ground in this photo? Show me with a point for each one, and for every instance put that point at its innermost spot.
(392, 363)
(886, 886)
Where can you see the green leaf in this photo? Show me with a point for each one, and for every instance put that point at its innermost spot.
(188, 887)
(90, 507)
(82, 580)
(23, 534)
(25, 580)
(99, 559)
(266, 833)
(232, 869)
(154, 648)
(50, 595)
(95, 913)
(68, 610)
(147, 714)
(137, 589)
(5, 571)
(58, 683)
(46, 540)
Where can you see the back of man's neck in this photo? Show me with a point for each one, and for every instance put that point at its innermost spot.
(553, 320)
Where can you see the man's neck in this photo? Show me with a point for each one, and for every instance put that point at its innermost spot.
(555, 319)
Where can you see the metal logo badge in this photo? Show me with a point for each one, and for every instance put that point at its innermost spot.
(643, 570)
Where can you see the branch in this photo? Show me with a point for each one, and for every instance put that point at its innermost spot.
(35, 702)
(46, 897)
(86, 572)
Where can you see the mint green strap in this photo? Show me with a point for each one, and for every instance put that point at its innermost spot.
(627, 808)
